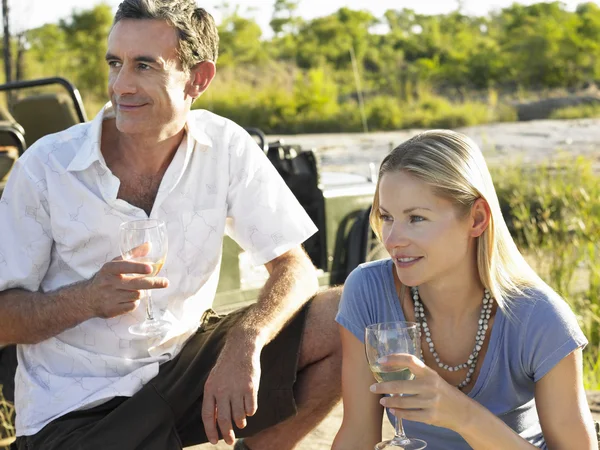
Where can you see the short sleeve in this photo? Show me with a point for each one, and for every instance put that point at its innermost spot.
(264, 216)
(25, 232)
(550, 334)
(354, 313)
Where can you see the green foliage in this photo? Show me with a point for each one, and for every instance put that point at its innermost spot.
(418, 71)
(7, 418)
(577, 112)
(553, 212)
(74, 49)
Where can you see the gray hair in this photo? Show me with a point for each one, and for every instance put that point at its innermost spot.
(196, 29)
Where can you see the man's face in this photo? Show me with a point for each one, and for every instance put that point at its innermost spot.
(147, 85)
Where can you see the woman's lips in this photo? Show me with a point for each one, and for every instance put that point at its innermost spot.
(407, 261)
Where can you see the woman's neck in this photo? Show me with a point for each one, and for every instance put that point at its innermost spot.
(453, 303)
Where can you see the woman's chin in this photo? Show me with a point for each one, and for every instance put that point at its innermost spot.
(408, 279)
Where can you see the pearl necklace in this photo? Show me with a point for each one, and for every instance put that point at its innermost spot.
(471, 362)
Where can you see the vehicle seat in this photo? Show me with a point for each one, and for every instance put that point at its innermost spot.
(44, 114)
(7, 120)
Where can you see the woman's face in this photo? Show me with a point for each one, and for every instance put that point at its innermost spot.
(422, 232)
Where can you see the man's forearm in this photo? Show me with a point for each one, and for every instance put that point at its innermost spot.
(31, 317)
(290, 285)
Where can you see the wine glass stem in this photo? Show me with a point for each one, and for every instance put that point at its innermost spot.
(149, 305)
(400, 437)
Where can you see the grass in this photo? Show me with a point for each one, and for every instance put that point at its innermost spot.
(7, 416)
(577, 112)
(553, 211)
(291, 102)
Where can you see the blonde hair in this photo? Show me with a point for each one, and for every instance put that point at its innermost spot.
(453, 165)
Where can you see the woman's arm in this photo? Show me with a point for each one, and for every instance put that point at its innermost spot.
(435, 402)
(562, 406)
(361, 426)
(564, 415)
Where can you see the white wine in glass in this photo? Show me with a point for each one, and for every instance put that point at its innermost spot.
(392, 338)
(145, 241)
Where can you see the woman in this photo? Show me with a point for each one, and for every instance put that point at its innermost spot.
(501, 360)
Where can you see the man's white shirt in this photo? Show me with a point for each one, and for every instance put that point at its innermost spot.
(59, 222)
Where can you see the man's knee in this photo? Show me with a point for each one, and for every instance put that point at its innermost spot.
(321, 337)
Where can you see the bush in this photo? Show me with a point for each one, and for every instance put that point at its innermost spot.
(577, 112)
(296, 102)
(553, 212)
(7, 418)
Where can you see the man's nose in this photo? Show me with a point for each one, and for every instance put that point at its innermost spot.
(123, 82)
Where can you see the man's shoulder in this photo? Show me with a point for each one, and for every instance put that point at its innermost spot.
(58, 148)
(214, 126)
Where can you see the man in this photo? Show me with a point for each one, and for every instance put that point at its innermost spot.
(269, 372)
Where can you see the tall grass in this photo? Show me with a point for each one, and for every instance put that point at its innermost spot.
(284, 100)
(7, 420)
(553, 211)
(577, 112)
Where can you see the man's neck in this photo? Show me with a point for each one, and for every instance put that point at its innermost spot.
(142, 154)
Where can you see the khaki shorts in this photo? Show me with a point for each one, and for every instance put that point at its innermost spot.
(166, 413)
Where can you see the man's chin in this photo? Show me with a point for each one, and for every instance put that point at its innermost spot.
(128, 126)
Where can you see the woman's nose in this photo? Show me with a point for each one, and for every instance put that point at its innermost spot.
(396, 236)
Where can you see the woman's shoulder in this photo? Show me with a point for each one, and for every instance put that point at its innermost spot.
(376, 266)
(370, 271)
(546, 330)
(538, 303)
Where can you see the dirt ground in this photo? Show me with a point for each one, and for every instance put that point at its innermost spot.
(322, 437)
(526, 142)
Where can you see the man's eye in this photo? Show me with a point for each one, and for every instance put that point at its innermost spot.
(143, 66)
(114, 64)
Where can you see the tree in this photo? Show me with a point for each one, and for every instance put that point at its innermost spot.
(284, 16)
(86, 34)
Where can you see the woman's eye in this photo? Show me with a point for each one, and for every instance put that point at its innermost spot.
(386, 218)
(414, 219)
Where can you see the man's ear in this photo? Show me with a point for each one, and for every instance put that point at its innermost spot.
(201, 76)
(480, 217)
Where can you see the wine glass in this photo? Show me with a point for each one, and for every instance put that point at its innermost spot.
(392, 338)
(145, 241)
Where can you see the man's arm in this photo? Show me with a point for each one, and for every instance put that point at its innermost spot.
(292, 282)
(232, 386)
(31, 317)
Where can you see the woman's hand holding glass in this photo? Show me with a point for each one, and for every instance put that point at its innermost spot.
(383, 341)
(429, 398)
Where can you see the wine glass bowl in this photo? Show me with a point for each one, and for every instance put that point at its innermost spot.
(383, 340)
(145, 241)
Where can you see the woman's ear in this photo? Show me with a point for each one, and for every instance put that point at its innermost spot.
(201, 76)
(480, 217)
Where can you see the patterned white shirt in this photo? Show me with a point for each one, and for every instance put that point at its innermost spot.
(59, 221)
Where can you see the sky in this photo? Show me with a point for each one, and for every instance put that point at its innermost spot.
(27, 14)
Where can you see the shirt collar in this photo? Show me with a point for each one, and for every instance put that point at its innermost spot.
(196, 132)
(89, 151)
